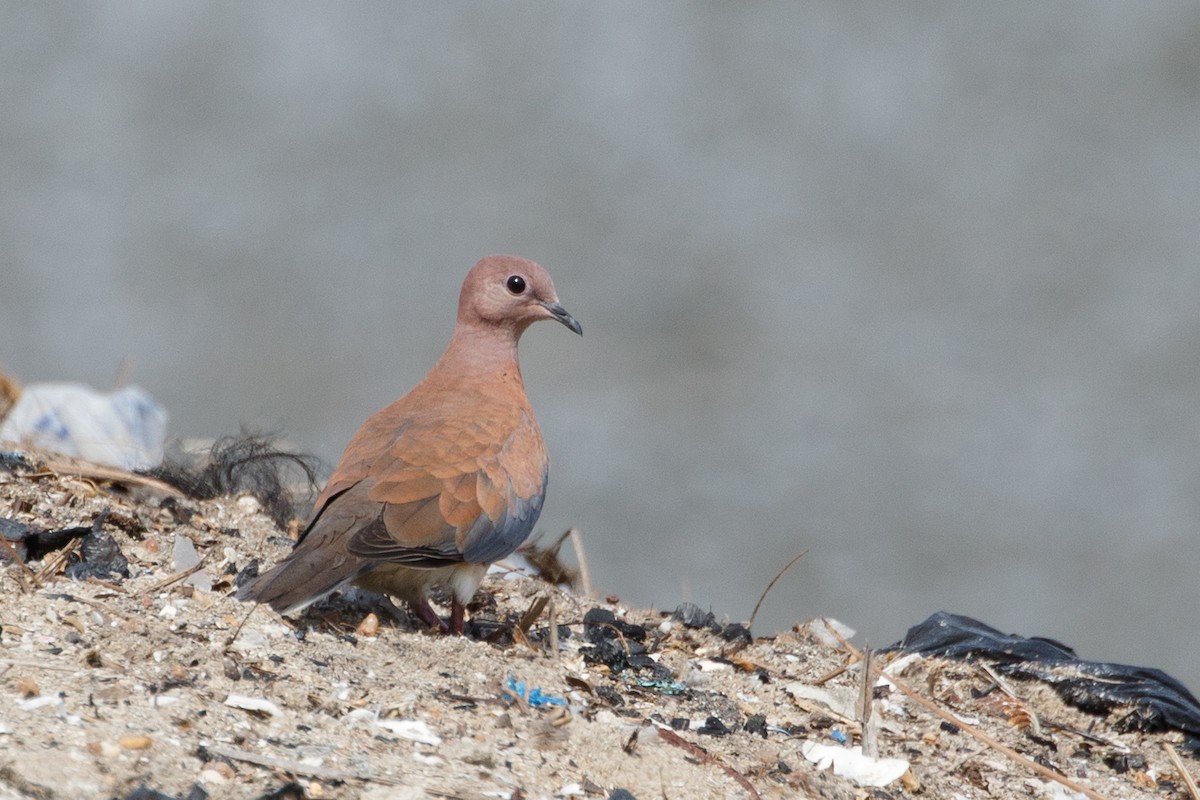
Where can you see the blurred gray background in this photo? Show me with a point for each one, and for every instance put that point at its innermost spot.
(913, 286)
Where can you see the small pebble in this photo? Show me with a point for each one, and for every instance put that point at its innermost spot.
(136, 742)
(369, 626)
(105, 749)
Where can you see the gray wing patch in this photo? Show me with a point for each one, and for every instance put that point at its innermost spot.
(374, 542)
(490, 540)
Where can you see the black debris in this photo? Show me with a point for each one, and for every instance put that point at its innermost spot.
(289, 791)
(99, 556)
(493, 631)
(618, 644)
(32, 544)
(15, 533)
(608, 652)
(246, 464)
(756, 724)
(196, 792)
(600, 624)
(737, 632)
(146, 793)
(1152, 699)
(1124, 762)
(246, 573)
(11, 459)
(13, 530)
(714, 727)
(543, 634)
(621, 794)
(610, 695)
(692, 616)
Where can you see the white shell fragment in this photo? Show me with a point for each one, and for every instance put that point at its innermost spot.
(259, 705)
(414, 730)
(841, 703)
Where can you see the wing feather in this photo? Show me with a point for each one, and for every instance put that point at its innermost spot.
(466, 489)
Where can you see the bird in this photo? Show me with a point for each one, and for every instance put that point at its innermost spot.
(446, 480)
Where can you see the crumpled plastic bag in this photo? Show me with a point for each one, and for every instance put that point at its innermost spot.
(125, 428)
(1150, 699)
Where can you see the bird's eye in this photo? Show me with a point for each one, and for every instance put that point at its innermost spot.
(515, 284)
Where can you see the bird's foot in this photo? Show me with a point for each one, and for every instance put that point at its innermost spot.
(430, 617)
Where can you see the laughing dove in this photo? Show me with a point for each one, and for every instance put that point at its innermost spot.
(445, 480)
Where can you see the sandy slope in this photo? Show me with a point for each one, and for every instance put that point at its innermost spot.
(108, 685)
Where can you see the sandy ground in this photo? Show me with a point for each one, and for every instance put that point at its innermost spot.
(154, 685)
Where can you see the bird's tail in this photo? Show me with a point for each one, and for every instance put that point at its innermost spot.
(304, 577)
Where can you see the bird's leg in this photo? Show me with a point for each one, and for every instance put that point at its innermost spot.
(428, 615)
(456, 616)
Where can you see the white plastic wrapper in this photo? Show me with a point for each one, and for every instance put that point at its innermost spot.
(125, 428)
(849, 762)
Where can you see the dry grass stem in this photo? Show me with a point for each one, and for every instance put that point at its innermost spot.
(585, 575)
(178, 576)
(1188, 780)
(770, 585)
(54, 564)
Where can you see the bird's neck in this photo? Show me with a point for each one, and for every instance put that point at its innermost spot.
(483, 353)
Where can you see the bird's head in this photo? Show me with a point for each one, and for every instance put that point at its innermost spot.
(510, 292)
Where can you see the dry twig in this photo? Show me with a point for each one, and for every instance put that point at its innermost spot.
(531, 616)
(870, 744)
(55, 467)
(238, 630)
(295, 767)
(178, 576)
(771, 585)
(703, 756)
(552, 618)
(54, 564)
(585, 576)
(1188, 780)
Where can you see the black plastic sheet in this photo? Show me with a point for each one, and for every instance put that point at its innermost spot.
(1154, 701)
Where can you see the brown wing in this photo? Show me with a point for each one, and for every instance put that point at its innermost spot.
(463, 489)
(420, 493)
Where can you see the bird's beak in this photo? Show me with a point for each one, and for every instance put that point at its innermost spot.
(559, 313)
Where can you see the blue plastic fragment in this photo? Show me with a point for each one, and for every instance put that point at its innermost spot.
(838, 736)
(535, 696)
